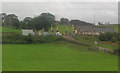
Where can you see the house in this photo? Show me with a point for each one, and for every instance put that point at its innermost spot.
(91, 30)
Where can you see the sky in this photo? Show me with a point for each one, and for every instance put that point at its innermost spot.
(60, 0)
(92, 12)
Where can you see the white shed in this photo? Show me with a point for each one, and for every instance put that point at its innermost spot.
(27, 32)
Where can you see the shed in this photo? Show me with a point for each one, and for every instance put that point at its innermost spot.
(27, 32)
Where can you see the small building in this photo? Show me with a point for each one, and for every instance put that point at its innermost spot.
(27, 32)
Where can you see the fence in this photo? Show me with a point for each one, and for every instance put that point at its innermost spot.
(71, 39)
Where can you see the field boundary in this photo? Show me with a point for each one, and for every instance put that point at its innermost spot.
(71, 38)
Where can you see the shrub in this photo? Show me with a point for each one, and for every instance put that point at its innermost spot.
(30, 39)
(13, 38)
(109, 36)
(113, 39)
(103, 37)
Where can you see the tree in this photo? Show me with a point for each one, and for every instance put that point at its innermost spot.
(27, 23)
(43, 21)
(3, 18)
(64, 21)
(109, 36)
(113, 39)
(12, 20)
(101, 24)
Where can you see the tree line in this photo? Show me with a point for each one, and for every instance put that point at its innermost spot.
(42, 21)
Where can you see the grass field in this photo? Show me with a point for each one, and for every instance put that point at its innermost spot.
(57, 56)
(10, 29)
(62, 28)
(116, 27)
(0, 58)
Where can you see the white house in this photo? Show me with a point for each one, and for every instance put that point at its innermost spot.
(27, 32)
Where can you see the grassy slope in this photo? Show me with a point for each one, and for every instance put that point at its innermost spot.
(62, 28)
(109, 44)
(116, 27)
(55, 56)
(9, 29)
(91, 39)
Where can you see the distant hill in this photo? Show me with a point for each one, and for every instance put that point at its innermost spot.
(80, 23)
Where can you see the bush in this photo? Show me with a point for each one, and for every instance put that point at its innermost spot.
(103, 37)
(30, 39)
(109, 36)
(13, 38)
(113, 39)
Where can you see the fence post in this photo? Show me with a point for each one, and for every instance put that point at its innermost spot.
(88, 48)
(104, 50)
(97, 49)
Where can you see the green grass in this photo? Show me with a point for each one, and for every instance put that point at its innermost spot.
(62, 28)
(10, 29)
(57, 56)
(91, 39)
(116, 27)
(108, 45)
(0, 57)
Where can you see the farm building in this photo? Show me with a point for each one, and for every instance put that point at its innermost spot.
(27, 32)
(91, 30)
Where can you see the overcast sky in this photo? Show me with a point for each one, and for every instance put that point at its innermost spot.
(85, 11)
(60, 0)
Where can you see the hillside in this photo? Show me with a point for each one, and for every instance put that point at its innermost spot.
(62, 28)
(10, 29)
(80, 23)
(56, 56)
(116, 27)
(91, 39)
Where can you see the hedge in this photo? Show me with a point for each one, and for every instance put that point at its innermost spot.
(14, 38)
